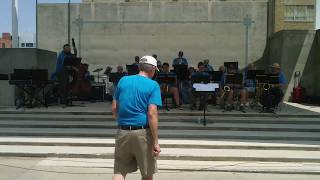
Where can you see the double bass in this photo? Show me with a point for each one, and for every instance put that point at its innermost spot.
(81, 87)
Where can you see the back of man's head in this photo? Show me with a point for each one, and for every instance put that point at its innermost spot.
(148, 65)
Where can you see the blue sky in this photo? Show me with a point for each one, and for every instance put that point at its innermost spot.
(27, 14)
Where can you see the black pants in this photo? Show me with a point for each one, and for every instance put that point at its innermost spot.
(64, 91)
(271, 98)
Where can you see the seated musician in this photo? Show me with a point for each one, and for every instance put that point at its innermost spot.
(170, 88)
(249, 84)
(235, 90)
(221, 85)
(207, 66)
(271, 98)
(120, 73)
(159, 63)
(201, 95)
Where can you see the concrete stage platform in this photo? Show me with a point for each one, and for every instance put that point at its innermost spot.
(104, 108)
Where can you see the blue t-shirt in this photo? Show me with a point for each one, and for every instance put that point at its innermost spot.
(179, 61)
(133, 95)
(282, 79)
(60, 62)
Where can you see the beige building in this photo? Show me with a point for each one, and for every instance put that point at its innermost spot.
(291, 15)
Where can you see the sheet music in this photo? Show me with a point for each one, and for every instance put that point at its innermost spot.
(206, 87)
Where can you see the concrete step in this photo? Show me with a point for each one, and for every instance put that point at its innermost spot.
(186, 112)
(166, 154)
(168, 143)
(261, 120)
(164, 133)
(285, 168)
(162, 125)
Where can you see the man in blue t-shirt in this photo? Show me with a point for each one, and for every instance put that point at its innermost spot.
(180, 60)
(271, 98)
(135, 108)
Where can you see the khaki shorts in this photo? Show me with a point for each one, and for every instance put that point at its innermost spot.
(133, 149)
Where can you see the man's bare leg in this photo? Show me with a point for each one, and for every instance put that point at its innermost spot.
(119, 177)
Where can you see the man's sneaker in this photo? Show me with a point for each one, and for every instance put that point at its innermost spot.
(228, 107)
(178, 107)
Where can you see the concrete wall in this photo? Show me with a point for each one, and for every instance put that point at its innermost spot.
(311, 76)
(285, 48)
(22, 59)
(105, 41)
(295, 50)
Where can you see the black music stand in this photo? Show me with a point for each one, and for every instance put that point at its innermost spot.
(228, 65)
(251, 74)
(262, 78)
(132, 69)
(182, 74)
(202, 79)
(182, 71)
(215, 76)
(4, 77)
(166, 78)
(273, 79)
(115, 77)
(236, 79)
(31, 82)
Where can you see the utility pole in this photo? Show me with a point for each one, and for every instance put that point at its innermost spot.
(15, 28)
(317, 16)
(69, 22)
(247, 22)
(37, 24)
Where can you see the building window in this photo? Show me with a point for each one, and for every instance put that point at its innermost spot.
(23, 45)
(3, 45)
(299, 13)
(29, 44)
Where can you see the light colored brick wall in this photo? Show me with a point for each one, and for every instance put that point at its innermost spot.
(6, 42)
(298, 25)
(279, 15)
(279, 11)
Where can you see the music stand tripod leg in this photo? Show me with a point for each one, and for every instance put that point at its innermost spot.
(166, 102)
(204, 114)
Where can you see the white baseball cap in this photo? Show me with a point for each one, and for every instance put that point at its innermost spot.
(149, 60)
